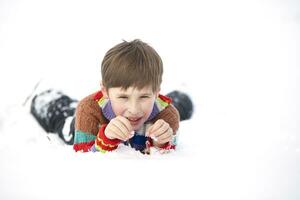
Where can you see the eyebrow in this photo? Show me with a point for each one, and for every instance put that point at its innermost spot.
(142, 94)
(146, 94)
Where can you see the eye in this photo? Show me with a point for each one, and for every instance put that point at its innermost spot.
(123, 97)
(145, 97)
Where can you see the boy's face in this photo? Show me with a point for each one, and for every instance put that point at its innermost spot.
(134, 104)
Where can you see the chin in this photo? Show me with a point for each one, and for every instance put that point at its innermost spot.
(137, 127)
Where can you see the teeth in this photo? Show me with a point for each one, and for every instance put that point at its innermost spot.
(133, 119)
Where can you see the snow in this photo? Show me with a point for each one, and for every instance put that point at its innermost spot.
(238, 60)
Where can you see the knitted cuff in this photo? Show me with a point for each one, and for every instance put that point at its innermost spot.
(103, 143)
(166, 146)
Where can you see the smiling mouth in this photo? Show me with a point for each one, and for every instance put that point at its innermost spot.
(134, 120)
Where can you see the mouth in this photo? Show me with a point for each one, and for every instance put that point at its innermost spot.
(134, 120)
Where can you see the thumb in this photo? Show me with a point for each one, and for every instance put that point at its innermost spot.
(148, 130)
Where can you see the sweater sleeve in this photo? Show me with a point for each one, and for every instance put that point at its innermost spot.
(88, 123)
(171, 116)
(88, 116)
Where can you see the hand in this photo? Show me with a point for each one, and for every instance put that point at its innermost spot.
(119, 128)
(160, 132)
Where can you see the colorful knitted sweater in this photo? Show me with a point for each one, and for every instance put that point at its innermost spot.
(94, 112)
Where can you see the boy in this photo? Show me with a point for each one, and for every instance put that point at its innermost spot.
(128, 109)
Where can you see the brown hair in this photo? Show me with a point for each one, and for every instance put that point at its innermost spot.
(132, 63)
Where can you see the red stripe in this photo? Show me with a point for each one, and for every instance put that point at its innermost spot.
(166, 146)
(105, 139)
(165, 98)
(85, 146)
(98, 95)
(107, 148)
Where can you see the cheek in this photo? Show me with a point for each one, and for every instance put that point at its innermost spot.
(118, 110)
(148, 107)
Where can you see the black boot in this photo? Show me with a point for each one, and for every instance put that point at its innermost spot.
(51, 109)
(182, 103)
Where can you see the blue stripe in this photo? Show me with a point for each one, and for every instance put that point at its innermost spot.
(81, 137)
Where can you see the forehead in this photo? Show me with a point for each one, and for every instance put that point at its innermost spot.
(130, 90)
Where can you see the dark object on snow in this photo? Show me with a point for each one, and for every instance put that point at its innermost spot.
(182, 103)
(51, 109)
(138, 142)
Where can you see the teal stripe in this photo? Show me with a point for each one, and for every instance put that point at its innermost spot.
(81, 137)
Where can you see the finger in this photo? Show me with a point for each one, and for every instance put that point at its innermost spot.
(117, 132)
(156, 126)
(164, 128)
(164, 140)
(165, 137)
(149, 130)
(110, 134)
(129, 133)
(121, 126)
(126, 123)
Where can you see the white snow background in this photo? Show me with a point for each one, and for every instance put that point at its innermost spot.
(238, 60)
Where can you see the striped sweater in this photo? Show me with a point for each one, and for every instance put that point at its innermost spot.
(94, 112)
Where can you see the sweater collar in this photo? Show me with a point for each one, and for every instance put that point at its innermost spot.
(109, 113)
(105, 104)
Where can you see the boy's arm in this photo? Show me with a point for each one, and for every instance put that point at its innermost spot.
(89, 128)
(171, 116)
(86, 142)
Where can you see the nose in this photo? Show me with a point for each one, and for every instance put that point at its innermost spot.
(134, 107)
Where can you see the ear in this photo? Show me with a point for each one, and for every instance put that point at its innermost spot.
(104, 90)
(157, 93)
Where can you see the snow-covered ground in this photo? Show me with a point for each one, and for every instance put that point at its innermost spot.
(238, 60)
